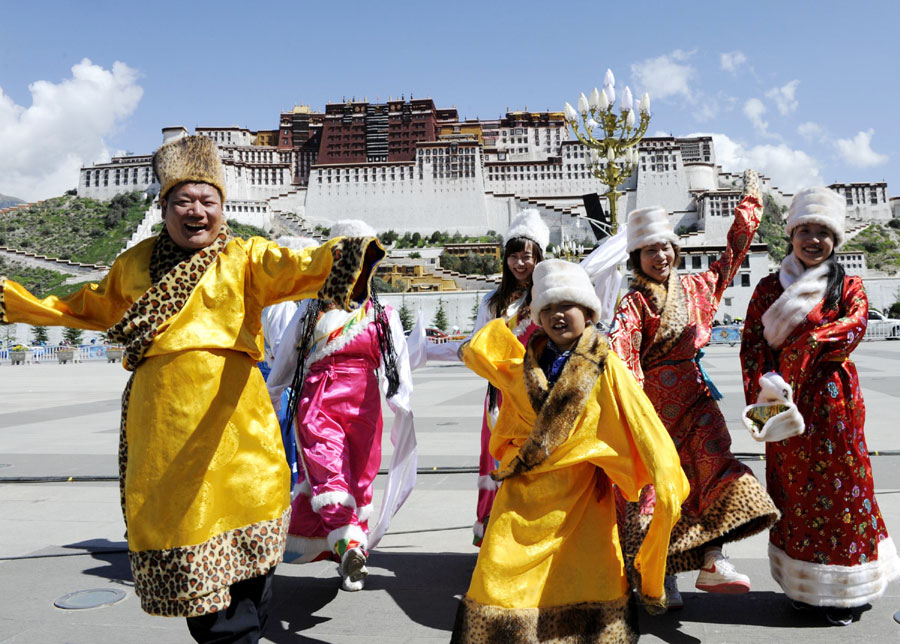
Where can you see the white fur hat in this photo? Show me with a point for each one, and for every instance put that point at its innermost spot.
(818, 205)
(296, 243)
(529, 225)
(352, 228)
(556, 280)
(648, 226)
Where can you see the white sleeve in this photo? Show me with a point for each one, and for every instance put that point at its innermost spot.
(401, 477)
(448, 350)
(275, 320)
(285, 362)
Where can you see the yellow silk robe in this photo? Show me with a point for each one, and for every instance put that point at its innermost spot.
(205, 455)
(552, 540)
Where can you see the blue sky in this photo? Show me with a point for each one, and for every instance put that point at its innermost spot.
(806, 92)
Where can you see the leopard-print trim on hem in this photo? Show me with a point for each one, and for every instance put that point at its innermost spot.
(613, 622)
(743, 510)
(349, 255)
(3, 319)
(195, 580)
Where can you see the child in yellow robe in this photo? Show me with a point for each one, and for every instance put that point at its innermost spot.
(574, 420)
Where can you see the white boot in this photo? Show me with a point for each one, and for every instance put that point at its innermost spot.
(719, 576)
(353, 570)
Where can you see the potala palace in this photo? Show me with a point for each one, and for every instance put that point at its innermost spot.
(409, 166)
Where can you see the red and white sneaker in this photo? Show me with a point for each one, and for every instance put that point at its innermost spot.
(719, 576)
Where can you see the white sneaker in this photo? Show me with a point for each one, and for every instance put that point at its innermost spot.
(673, 597)
(719, 576)
(353, 570)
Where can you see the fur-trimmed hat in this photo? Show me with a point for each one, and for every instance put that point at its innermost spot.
(648, 226)
(528, 224)
(818, 205)
(556, 280)
(352, 228)
(189, 158)
(296, 243)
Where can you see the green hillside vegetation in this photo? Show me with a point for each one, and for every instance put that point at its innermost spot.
(881, 246)
(39, 281)
(76, 228)
(771, 229)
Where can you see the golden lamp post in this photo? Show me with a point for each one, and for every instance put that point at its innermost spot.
(610, 138)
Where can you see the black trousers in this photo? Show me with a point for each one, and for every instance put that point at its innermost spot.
(245, 618)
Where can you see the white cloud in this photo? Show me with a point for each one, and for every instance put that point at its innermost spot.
(812, 131)
(42, 147)
(789, 169)
(785, 97)
(707, 109)
(666, 75)
(858, 150)
(754, 110)
(732, 60)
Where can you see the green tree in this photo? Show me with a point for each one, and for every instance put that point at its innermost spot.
(894, 311)
(415, 255)
(73, 336)
(405, 315)
(39, 334)
(473, 316)
(440, 317)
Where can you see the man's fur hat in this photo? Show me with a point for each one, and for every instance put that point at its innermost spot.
(189, 158)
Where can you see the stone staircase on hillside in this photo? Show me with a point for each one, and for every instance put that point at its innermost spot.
(296, 225)
(145, 228)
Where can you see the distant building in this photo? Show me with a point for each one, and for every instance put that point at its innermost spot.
(410, 166)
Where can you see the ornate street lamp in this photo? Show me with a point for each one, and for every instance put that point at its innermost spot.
(610, 138)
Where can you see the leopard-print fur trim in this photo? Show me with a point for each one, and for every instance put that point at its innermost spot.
(743, 509)
(613, 622)
(348, 264)
(3, 318)
(195, 580)
(671, 303)
(174, 273)
(559, 407)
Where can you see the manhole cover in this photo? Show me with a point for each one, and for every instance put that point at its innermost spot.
(90, 598)
(897, 617)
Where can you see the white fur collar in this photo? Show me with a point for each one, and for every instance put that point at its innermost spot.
(331, 321)
(803, 289)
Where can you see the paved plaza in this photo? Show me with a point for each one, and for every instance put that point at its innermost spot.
(61, 537)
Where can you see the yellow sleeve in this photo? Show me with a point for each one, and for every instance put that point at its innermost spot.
(94, 306)
(330, 271)
(659, 464)
(495, 354)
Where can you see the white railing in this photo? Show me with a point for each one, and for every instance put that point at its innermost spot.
(39, 354)
(877, 331)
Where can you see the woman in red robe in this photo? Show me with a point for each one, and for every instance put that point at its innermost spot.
(659, 329)
(830, 548)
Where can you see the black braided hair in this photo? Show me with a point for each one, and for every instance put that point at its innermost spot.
(386, 345)
(309, 326)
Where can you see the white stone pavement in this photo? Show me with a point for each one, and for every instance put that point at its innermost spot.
(55, 538)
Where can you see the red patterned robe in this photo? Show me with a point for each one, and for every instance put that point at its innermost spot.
(830, 547)
(658, 331)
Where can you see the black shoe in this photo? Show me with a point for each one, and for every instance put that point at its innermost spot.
(839, 616)
(800, 606)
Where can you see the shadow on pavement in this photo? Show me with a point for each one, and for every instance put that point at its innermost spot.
(761, 609)
(423, 585)
(113, 555)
